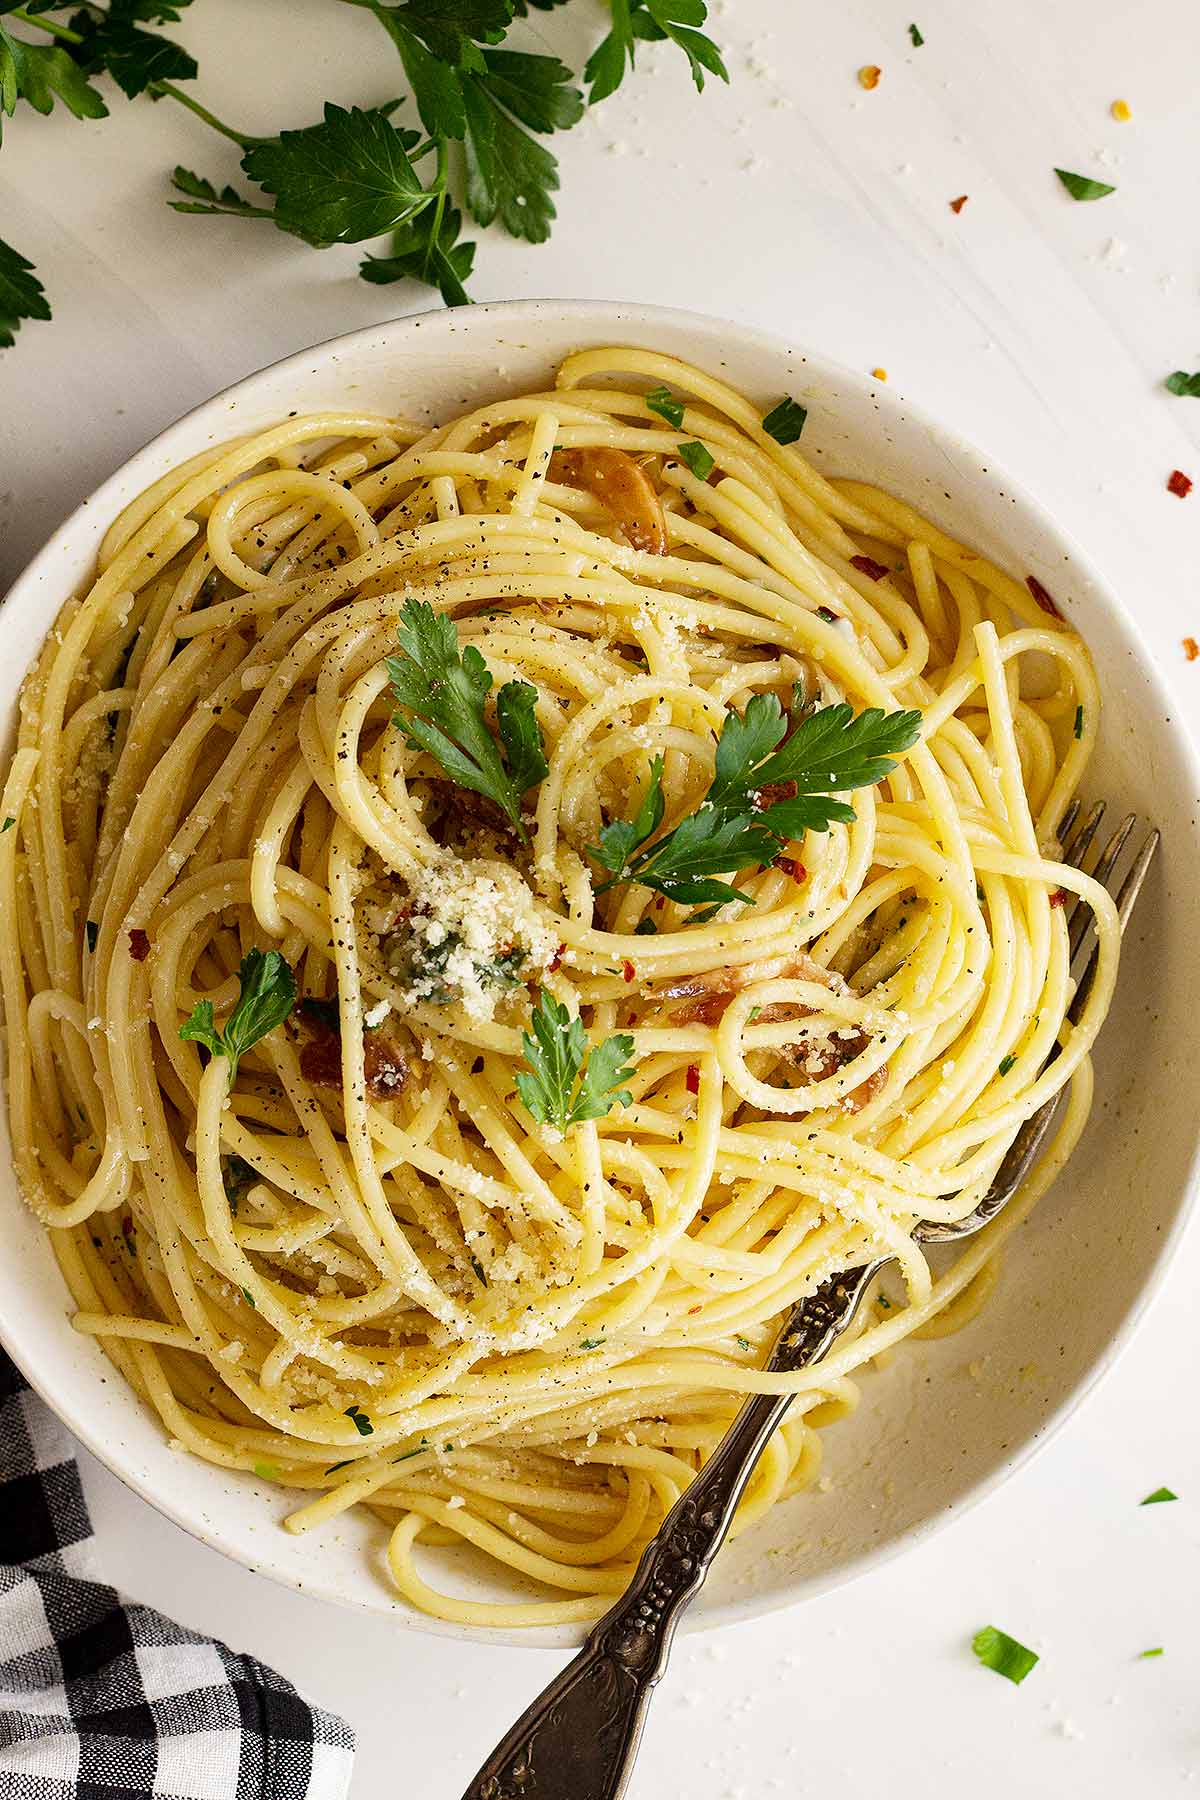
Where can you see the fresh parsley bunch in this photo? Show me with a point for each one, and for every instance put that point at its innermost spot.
(442, 695)
(828, 750)
(483, 110)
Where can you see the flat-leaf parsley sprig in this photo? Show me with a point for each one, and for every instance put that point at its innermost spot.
(442, 695)
(268, 994)
(483, 109)
(761, 750)
(558, 1088)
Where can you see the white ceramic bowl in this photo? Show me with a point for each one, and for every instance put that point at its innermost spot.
(929, 1437)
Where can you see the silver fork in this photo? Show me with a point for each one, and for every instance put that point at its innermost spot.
(579, 1738)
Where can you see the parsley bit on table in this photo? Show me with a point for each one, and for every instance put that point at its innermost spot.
(1003, 1654)
(1082, 187)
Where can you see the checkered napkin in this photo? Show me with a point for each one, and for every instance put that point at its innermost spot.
(103, 1699)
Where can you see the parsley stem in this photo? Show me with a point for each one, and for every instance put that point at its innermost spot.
(49, 25)
(435, 235)
(167, 89)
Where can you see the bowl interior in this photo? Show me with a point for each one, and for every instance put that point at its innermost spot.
(947, 1419)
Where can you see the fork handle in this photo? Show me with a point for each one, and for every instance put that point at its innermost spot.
(579, 1738)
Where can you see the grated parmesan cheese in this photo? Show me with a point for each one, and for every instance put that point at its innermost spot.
(484, 911)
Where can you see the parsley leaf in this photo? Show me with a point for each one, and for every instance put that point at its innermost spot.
(268, 993)
(433, 47)
(442, 696)
(427, 248)
(698, 459)
(205, 198)
(996, 1650)
(535, 89)
(1082, 187)
(622, 837)
(785, 422)
(1182, 383)
(40, 73)
(554, 1091)
(652, 21)
(660, 400)
(115, 44)
(816, 753)
(343, 180)
(449, 30)
(509, 175)
(21, 294)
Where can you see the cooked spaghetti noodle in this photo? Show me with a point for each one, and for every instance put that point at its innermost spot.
(365, 1272)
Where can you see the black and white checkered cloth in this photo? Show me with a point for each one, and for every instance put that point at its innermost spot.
(103, 1699)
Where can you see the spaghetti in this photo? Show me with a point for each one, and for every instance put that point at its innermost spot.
(366, 1270)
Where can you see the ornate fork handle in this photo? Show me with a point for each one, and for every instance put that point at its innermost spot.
(578, 1739)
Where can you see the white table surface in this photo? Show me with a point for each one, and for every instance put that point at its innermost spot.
(1042, 329)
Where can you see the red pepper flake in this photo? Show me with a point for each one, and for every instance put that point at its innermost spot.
(790, 866)
(127, 1225)
(866, 565)
(692, 1310)
(1191, 649)
(1179, 483)
(1044, 600)
(956, 206)
(693, 1078)
(555, 963)
(628, 970)
(868, 76)
(139, 944)
(1059, 897)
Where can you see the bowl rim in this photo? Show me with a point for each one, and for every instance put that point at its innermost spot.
(132, 476)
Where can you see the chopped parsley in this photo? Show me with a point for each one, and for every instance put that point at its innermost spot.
(1007, 1063)
(1143, 1654)
(248, 1297)
(699, 460)
(267, 1471)
(1079, 721)
(743, 1343)
(660, 400)
(1158, 1497)
(7, 825)
(1184, 384)
(1082, 187)
(915, 34)
(362, 1423)
(558, 1088)
(645, 928)
(785, 422)
(590, 1343)
(1003, 1654)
